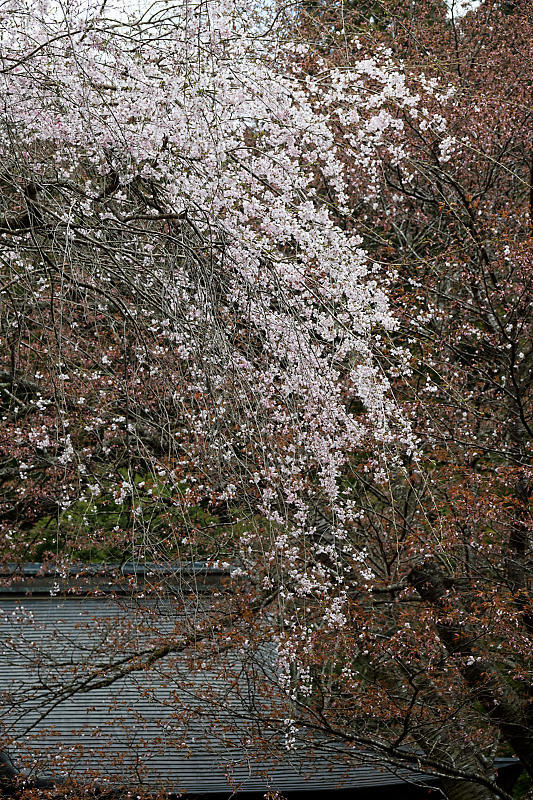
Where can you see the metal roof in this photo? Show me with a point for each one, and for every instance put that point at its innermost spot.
(174, 577)
(36, 568)
(164, 727)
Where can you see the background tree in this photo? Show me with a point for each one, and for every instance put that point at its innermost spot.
(456, 227)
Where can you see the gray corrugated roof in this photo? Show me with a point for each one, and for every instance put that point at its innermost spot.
(153, 727)
(34, 568)
(175, 577)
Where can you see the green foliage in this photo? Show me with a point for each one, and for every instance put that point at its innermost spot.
(523, 786)
(103, 526)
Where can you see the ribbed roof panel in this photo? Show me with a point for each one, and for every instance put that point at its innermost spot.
(154, 726)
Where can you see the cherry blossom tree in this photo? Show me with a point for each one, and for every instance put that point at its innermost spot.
(252, 296)
(170, 258)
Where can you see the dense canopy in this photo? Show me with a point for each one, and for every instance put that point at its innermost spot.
(265, 305)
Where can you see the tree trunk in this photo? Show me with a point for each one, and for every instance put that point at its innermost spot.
(509, 711)
(462, 790)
